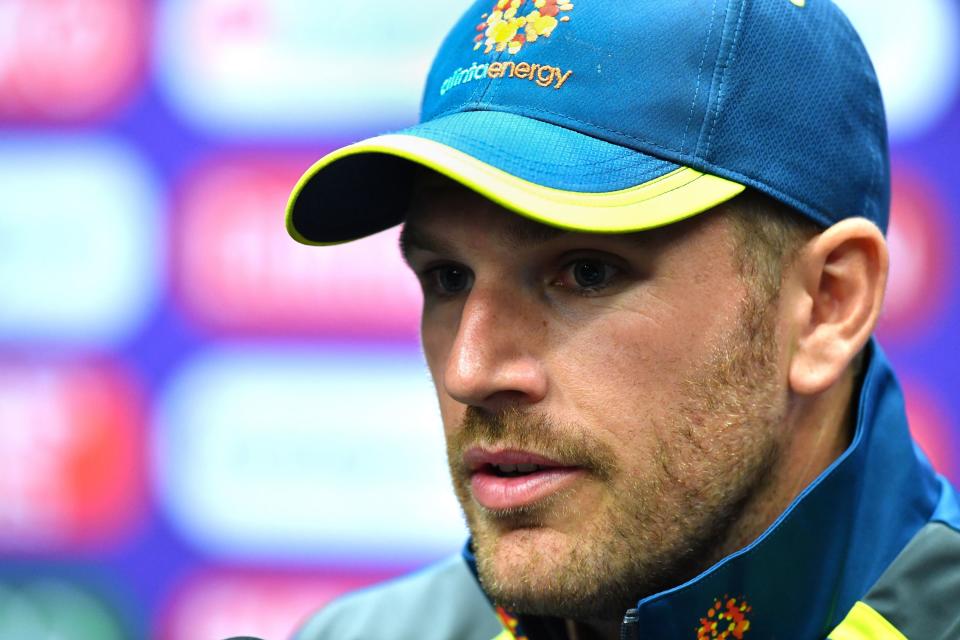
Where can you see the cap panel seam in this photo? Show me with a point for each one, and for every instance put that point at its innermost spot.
(875, 108)
(480, 93)
(705, 123)
(696, 94)
(724, 70)
(490, 91)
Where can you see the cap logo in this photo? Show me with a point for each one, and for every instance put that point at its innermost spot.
(506, 29)
(543, 75)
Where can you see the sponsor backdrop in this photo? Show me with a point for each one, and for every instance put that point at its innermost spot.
(207, 430)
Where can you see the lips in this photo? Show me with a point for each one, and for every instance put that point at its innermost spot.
(510, 479)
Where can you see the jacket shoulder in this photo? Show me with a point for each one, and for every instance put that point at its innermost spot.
(917, 595)
(919, 592)
(441, 602)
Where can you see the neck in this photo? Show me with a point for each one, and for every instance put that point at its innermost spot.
(818, 429)
(596, 630)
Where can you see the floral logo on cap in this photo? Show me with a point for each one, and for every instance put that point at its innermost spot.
(506, 29)
(726, 619)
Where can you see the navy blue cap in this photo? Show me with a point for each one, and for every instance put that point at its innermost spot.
(622, 116)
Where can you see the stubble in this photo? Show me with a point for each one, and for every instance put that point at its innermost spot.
(654, 528)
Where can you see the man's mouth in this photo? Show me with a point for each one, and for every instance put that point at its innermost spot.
(515, 470)
(510, 479)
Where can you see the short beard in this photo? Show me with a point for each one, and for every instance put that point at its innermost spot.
(660, 529)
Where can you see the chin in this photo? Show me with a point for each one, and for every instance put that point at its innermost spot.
(541, 571)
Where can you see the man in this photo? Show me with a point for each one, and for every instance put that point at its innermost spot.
(650, 240)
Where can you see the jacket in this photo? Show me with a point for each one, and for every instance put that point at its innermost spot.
(869, 551)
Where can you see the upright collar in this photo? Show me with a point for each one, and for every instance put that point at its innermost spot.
(802, 575)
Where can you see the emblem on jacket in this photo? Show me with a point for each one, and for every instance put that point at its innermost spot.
(511, 626)
(508, 29)
(726, 620)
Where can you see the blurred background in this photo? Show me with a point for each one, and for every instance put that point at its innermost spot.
(207, 430)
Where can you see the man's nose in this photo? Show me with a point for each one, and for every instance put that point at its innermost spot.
(493, 363)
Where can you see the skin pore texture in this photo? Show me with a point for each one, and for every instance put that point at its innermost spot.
(692, 409)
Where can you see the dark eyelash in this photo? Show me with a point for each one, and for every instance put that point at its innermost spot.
(587, 291)
(429, 280)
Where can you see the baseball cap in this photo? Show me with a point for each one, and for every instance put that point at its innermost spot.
(615, 117)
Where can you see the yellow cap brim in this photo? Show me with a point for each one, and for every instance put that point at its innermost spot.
(674, 196)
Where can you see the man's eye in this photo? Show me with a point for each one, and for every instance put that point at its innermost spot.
(448, 280)
(587, 275)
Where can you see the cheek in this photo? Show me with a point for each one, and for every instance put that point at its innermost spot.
(437, 343)
(620, 361)
(451, 413)
(635, 369)
(437, 338)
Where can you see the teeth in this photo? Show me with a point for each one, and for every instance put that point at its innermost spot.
(517, 468)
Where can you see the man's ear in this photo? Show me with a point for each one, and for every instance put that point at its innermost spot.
(837, 283)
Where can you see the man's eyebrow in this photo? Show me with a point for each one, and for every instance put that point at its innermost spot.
(413, 238)
(523, 233)
(526, 232)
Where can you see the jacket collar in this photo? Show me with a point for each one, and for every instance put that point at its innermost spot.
(802, 575)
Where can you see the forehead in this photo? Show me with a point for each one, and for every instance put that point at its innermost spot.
(442, 210)
(445, 208)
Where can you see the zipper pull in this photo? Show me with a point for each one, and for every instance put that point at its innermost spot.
(630, 630)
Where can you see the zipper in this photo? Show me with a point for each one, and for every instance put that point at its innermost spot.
(630, 629)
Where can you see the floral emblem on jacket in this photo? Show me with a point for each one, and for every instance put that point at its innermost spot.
(726, 619)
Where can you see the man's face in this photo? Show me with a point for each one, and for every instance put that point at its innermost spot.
(610, 402)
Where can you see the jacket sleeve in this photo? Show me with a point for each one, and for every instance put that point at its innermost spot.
(917, 596)
(442, 602)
